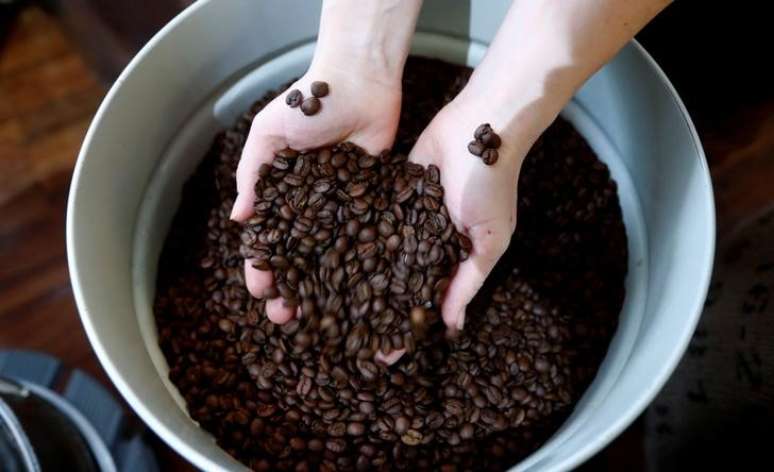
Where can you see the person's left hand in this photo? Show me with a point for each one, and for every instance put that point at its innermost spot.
(359, 108)
(481, 199)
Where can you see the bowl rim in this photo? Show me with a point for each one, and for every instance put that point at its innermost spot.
(168, 435)
(646, 396)
(197, 458)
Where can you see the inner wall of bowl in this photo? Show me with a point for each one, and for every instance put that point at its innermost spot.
(163, 194)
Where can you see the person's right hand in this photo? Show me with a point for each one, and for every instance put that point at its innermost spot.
(481, 199)
(361, 107)
(361, 49)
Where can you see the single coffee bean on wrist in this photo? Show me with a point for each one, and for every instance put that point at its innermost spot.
(490, 156)
(476, 148)
(310, 106)
(490, 139)
(319, 89)
(294, 98)
(480, 130)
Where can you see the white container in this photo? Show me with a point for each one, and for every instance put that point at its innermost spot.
(212, 60)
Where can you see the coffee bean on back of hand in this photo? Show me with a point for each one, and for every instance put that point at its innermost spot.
(485, 144)
(294, 98)
(311, 106)
(319, 89)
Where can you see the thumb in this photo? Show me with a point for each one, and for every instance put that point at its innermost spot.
(489, 243)
(258, 149)
(423, 151)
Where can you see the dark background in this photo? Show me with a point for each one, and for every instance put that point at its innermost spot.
(57, 59)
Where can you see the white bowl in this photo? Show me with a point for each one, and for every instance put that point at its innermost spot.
(211, 61)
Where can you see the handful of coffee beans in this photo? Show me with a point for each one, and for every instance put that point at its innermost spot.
(307, 395)
(357, 242)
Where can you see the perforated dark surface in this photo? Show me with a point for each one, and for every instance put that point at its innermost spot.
(92, 400)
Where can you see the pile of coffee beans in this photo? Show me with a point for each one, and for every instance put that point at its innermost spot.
(311, 105)
(485, 144)
(358, 242)
(534, 338)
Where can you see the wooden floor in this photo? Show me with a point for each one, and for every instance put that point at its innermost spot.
(48, 95)
(47, 98)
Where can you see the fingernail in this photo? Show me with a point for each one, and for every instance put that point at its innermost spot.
(233, 209)
(461, 320)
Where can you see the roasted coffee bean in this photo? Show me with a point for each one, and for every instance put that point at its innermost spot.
(343, 175)
(226, 325)
(385, 229)
(298, 444)
(542, 365)
(434, 191)
(366, 161)
(393, 242)
(415, 282)
(366, 407)
(467, 431)
(358, 190)
(322, 186)
(404, 195)
(337, 430)
(368, 370)
(339, 159)
(266, 410)
(279, 163)
(286, 212)
(402, 425)
(367, 234)
(414, 437)
(294, 180)
(481, 130)
(433, 174)
(355, 429)
(474, 147)
(294, 98)
(304, 386)
(336, 445)
(418, 316)
(490, 156)
(370, 264)
(287, 153)
(324, 156)
(352, 228)
(315, 445)
(278, 262)
(319, 89)
(490, 139)
(367, 250)
(310, 106)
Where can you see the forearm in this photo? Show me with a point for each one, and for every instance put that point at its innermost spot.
(367, 37)
(546, 49)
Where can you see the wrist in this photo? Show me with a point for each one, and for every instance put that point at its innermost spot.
(517, 110)
(364, 63)
(368, 39)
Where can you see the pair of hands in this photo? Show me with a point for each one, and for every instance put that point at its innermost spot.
(365, 110)
(542, 53)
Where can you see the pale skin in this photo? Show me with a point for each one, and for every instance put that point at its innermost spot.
(543, 52)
